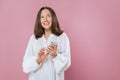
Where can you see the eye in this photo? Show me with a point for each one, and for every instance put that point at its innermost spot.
(48, 16)
(42, 16)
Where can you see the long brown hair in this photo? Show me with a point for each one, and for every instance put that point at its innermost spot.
(39, 30)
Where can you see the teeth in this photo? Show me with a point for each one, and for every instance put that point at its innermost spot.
(46, 23)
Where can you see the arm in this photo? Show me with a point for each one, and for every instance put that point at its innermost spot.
(63, 60)
(30, 61)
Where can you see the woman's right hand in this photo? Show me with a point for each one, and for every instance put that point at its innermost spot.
(41, 55)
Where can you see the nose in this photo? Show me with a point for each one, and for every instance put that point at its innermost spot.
(45, 18)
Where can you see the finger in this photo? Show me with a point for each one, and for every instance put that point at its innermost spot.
(46, 54)
(55, 46)
(50, 48)
(42, 50)
(40, 53)
(49, 51)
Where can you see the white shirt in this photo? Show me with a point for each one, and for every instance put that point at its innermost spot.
(50, 68)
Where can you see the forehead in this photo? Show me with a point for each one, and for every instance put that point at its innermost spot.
(45, 12)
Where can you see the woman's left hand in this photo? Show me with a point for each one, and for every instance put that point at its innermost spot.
(52, 50)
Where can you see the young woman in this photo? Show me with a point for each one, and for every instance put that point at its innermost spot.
(47, 55)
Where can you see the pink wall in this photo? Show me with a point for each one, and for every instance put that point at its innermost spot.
(93, 27)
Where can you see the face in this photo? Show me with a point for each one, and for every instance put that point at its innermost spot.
(46, 19)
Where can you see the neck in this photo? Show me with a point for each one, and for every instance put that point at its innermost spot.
(47, 33)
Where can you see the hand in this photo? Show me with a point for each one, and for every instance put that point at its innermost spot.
(41, 55)
(52, 50)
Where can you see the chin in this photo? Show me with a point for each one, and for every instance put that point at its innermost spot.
(46, 27)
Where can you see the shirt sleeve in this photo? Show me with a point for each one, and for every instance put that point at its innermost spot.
(29, 60)
(63, 59)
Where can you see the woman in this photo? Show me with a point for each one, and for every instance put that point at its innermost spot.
(47, 55)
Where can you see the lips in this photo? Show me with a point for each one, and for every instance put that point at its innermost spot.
(46, 23)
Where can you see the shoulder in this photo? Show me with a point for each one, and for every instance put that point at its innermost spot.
(32, 37)
(63, 36)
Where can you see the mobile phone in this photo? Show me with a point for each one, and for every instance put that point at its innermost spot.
(53, 43)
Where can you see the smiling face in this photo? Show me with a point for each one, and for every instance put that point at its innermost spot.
(46, 19)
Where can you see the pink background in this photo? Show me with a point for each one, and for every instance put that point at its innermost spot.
(93, 27)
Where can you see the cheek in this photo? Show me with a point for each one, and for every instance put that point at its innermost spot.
(41, 20)
(50, 19)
